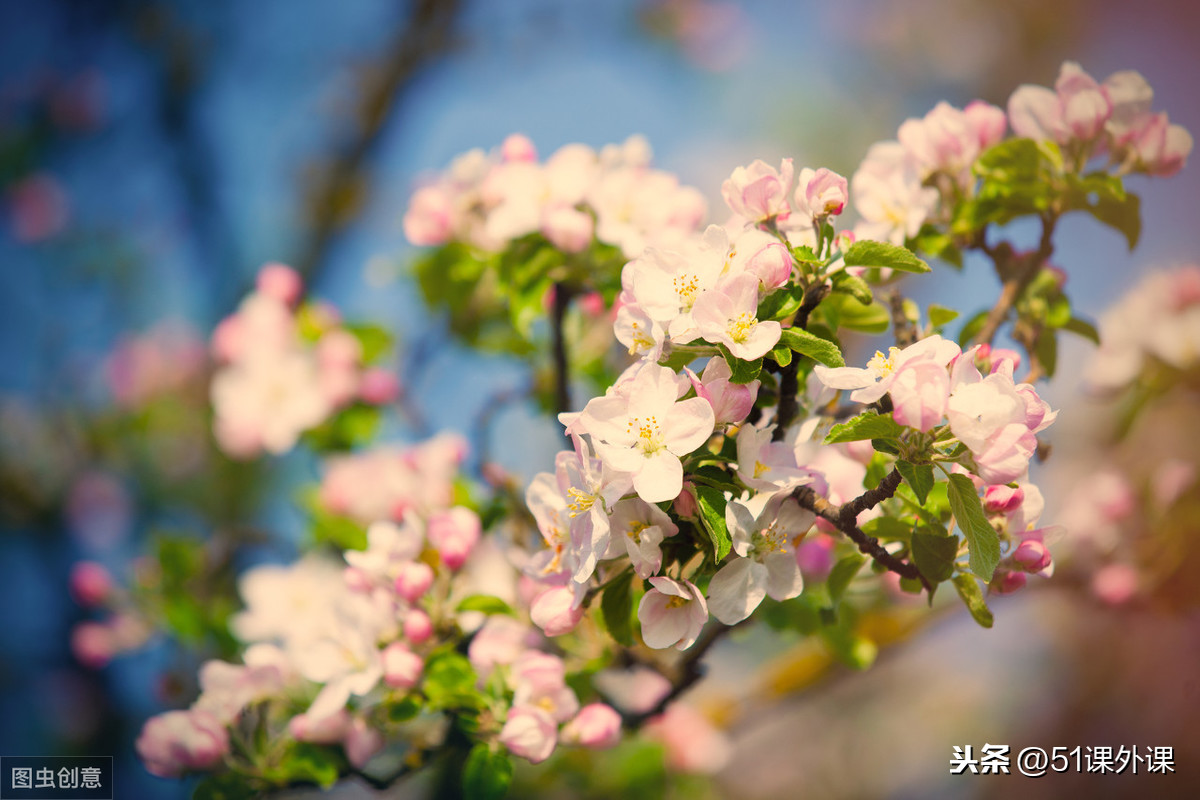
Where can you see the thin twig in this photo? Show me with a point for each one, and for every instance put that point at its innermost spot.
(562, 375)
(1017, 276)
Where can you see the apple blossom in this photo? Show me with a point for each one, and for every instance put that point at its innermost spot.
(647, 432)
(555, 611)
(181, 741)
(872, 382)
(530, 733)
(90, 583)
(759, 192)
(330, 729)
(361, 742)
(596, 726)
(888, 194)
(820, 193)
(727, 315)
(672, 614)
(765, 530)
(401, 667)
(454, 534)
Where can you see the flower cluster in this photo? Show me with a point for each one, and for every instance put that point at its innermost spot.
(575, 196)
(1112, 117)
(1158, 322)
(286, 368)
(900, 183)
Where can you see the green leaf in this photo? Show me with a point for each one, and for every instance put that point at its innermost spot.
(868, 425)
(311, 763)
(711, 503)
(972, 327)
(917, 476)
(982, 540)
(486, 775)
(939, 245)
(742, 371)
(883, 254)
(816, 348)
(1046, 349)
(940, 315)
(449, 681)
(934, 555)
(404, 709)
(1081, 327)
(782, 355)
(888, 529)
(842, 573)
(487, 604)
(1104, 197)
(374, 340)
(616, 604)
(972, 595)
(855, 316)
(854, 286)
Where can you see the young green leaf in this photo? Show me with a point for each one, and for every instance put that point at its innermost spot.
(741, 371)
(854, 286)
(918, 476)
(940, 315)
(842, 573)
(1081, 327)
(868, 425)
(821, 350)
(616, 604)
(711, 503)
(934, 555)
(982, 541)
(487, 775)
(972, 595)
(883, 254)
(487, 604)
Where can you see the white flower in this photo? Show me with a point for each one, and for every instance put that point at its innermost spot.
(728, 315)
(672, 613)
(765, 530)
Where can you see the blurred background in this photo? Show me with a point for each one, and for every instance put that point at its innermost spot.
(153, 155)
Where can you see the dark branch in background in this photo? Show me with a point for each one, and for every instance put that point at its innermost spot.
(789, 381)
(688, 673)
(845, 519)
(906, 332)
(562, 375)
(1017, 273)
(339, 190)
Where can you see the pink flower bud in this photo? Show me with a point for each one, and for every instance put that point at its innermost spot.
(814, 556)
(361, 743)
(568, 228)
(454, 534)
(378, 387)
(529, 733)
(329, 729)
(685, 503)
(1003, 499)
(90, 583)
(826, 193)
(413, 579)
(180, 741)
(1005, 582)
(553, 611)
(518, 147)
(93, 644)
(281, 282)
(401, 667)
(987, 121)
(417, 626)
(592, 304)
(1162, 149)
(597, 726)
(1032, 556)
(772, 264)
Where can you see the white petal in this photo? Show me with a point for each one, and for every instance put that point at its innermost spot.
(737, 589)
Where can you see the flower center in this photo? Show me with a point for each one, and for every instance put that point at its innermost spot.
(741, 327)
(640, 340)
(686, 286)
(581, 501)
(635, 531)
(883, 365)
(676, 601)
(648, 432)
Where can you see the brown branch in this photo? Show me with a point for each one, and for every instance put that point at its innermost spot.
(845, 517)
(562, 375)
(1017, 274)
(789, 381)
(341, 186)
(902, 326)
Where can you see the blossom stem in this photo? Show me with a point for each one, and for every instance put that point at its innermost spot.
(1017, 274)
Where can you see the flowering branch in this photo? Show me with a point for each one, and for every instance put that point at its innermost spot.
(844, 518)
(1021, 272)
